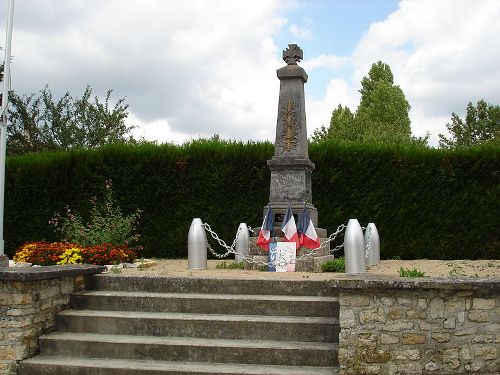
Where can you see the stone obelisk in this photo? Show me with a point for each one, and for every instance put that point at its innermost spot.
(290, 166)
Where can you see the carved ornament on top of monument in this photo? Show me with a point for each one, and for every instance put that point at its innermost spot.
(290, 129)
(293, 54)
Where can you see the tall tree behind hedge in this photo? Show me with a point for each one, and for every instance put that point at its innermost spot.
(342, 127)
(42, 123)
(381, 117)
(481, 126)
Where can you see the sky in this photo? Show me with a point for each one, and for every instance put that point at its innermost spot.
(195, 68)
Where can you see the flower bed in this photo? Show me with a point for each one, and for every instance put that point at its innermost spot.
(52, 253)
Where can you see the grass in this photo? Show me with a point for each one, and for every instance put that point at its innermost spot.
(406, 272)
(456, 271)
(230, 266)
(334, 265)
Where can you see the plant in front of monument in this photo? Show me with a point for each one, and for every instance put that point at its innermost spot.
(334, 265)
(62, 253)
(406, 272)
(73, 255)
(230, 265)
(107, 224)
(107, 253)
(45, 253)
(108, 237)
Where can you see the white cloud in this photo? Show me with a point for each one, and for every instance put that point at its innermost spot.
(325, 61)
(319, 112)
(156, 130)
(302, 32)
(186, 68)
(443, 54)
(190, 68)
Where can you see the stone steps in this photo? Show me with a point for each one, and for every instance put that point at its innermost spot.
(205, 303)
(251, 327)
(265, 352)
(79, 366)
(160, 325)
(161, 284)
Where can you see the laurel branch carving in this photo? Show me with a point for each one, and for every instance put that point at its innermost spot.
(290, 130)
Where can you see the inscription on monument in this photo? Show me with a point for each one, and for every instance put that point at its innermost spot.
(284, 186)
(278, 218)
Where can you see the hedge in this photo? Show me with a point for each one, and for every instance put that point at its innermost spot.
(426, 203)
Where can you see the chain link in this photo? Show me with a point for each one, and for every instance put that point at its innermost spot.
(229, 249)
(281, 262)
(367, 248)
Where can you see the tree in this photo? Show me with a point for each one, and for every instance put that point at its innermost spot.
(40, 123)
(481, 126)
(382, 114)
(381, 117)
(342, 126)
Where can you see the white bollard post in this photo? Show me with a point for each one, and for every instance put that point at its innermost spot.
(354, 248)
(242, 243)
(197, 246)
(372, 240)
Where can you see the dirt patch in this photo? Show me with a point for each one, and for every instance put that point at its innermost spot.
(432, 268)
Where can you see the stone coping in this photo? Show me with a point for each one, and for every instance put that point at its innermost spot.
(371, 281)
(47, 272)
(342, 281)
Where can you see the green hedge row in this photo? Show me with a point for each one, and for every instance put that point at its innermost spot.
(425, 203)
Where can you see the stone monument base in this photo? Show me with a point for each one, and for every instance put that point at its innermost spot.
(4, 261)
(309, 264)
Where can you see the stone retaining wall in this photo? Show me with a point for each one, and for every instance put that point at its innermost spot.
(431, 327)
(29, 300)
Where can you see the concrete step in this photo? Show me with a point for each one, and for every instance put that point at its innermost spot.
(206, 303)
(274, 286)
(264, 352)
(250, 327)
(48, 365)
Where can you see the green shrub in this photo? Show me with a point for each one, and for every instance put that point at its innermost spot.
(107, 224)
(334, 265)
(230, 266)
(406, 272)
(263, 268)
(426, 203)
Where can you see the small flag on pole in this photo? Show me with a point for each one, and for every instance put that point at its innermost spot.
(307, 233)
(265, 231)
(290, 229)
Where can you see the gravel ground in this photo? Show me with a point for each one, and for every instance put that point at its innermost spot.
(432, 268)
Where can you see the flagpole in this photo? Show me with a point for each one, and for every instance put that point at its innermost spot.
(3, 128)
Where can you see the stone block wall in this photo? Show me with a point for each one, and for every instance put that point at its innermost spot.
(419, 331)
(29, 300)
(27, 309)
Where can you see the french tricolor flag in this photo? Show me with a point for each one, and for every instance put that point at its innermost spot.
(307, 234)
(290, 229)
(265, 231)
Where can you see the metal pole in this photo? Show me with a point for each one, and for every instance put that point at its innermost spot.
(197, 246)
(372, 241)
(242, 243)
(354, 248)
(3, 129)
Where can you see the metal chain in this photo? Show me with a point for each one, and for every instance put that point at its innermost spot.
(367, 248)
(231, 249)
